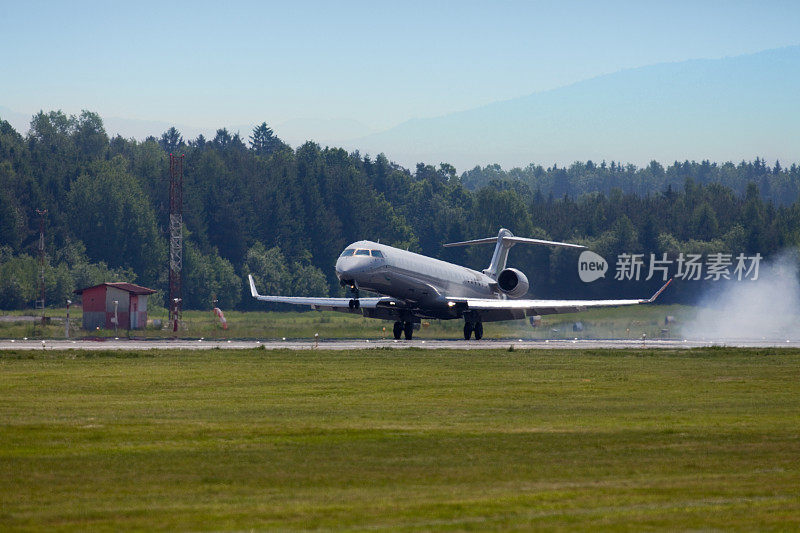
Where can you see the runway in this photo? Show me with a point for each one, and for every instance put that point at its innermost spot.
(360, 344)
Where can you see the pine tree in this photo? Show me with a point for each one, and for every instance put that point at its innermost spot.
(264, 141)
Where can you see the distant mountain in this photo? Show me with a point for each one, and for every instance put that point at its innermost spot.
(323, 131)
(723, 109)
(19, 121)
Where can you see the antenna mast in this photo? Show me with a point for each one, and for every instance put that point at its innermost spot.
(175, 238)
(40, 301)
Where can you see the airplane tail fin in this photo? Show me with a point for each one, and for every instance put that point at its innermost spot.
(504, 241)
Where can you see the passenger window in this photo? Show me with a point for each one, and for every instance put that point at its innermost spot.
(347, 252)
(362, 252)
(376, 253)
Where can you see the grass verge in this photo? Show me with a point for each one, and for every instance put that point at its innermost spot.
(619, 323)
(380, 439)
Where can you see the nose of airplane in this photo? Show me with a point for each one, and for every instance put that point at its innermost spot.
(349, 268)
(343, 268)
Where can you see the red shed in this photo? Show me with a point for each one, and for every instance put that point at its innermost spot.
(131, 306)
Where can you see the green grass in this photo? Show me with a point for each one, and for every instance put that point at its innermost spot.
(625, 322)
(400, 440)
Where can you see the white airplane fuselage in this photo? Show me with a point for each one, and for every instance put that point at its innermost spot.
(411, 277)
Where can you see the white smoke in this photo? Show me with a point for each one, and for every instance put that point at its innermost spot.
(764, 309)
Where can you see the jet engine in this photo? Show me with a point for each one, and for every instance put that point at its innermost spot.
(513, 282)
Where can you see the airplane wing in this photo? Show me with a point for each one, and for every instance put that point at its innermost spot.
(328, 304)
(493, 310)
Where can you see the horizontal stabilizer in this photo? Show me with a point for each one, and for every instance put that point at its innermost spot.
(503, 243)
(511, 239)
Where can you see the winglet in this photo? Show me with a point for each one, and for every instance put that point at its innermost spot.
(652, 298)
(253, 291)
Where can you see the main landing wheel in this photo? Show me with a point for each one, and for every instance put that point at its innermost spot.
(408, 329)
(470, 328)
(478, 330)
(398, 330)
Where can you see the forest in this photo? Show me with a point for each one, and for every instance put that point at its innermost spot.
(253, 204)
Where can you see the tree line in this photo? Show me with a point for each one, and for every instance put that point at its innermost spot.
(774, 182)
(256, 205)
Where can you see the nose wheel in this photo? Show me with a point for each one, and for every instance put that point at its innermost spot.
(353, 303)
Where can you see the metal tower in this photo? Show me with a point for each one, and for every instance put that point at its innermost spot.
(40, 301)
(175, 237)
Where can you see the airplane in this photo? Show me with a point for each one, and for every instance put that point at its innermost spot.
(414, 287)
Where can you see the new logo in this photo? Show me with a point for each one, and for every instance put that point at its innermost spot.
(591, 266)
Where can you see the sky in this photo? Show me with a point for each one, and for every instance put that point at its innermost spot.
(347, 68)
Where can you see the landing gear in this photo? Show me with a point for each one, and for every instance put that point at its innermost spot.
(403, 327)
(408, 329)
(476, 328)
(353, 303)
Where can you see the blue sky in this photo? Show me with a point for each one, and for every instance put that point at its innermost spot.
(209, 64)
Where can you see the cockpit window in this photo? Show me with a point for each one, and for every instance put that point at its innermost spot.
(347, 252)
(362, 252)
(376, 253)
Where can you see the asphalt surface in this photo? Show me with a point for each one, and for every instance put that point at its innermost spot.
(357, 344)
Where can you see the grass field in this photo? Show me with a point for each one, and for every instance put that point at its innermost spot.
(624, 322)
(400, 440)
